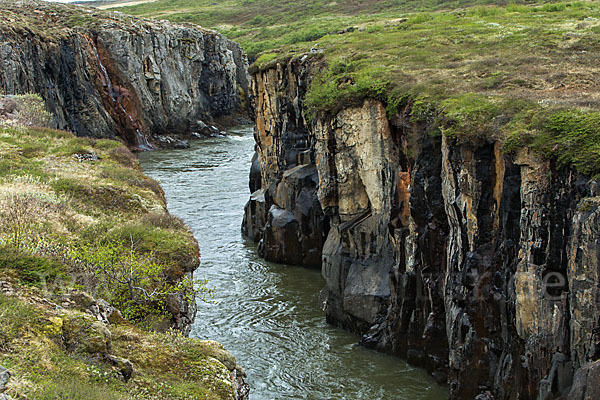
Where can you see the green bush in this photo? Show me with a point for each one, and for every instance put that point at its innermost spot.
(137, 283)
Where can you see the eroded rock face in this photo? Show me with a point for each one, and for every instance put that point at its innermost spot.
(122, 76)
(357, 161)
(284, 214)
(480, 266)
(585, 385)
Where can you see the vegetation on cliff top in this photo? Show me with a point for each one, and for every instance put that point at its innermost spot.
(50, 21)
(78, 218)
(471, 68)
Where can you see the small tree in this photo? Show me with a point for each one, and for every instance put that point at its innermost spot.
(135, 283)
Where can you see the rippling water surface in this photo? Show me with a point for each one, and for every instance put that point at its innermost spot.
(266, 314)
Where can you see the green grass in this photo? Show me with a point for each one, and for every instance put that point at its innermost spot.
(174, 246)
(474, 70)
(571, 137)
(15, 316)
(75, 389)
(30, 268)
(262, 25)
(52, 204)
(34, 338)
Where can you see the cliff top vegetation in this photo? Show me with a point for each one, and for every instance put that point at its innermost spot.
(260, 25)
(472, 68)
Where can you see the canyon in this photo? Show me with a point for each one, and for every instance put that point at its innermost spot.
(477, 264)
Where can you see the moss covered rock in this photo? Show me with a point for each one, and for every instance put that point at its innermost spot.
(82, 333)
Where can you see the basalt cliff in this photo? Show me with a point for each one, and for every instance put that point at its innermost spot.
(110, 75)
(479, 265)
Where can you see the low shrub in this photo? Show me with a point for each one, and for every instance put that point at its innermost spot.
(135, 282)
(31, 268)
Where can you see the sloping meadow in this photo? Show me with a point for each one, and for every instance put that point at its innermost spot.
(80, 212)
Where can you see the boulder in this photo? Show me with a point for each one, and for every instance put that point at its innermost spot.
(4, 378)
(124, 366)
(83, 333)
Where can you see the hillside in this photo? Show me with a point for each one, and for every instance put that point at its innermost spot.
(261, 25)
(91, 263)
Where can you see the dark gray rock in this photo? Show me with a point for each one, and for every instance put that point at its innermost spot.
(181, 144)
(7, 106)
(124, 366)
(559, 379)
(255, 216)
(281, 242)
(4, 378)
(586, 383)
(124, 76)
(255, 178)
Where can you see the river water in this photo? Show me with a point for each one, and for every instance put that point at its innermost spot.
(267, 315)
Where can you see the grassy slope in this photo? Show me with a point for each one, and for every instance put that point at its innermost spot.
(51, 199)
(51, 203)
(523, 72)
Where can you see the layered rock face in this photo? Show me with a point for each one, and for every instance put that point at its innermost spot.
(480, 266)
(117, 75)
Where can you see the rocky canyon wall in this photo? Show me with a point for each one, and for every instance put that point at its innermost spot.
(107, 74)
(480, 266)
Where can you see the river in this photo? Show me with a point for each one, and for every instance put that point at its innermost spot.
(267, 315)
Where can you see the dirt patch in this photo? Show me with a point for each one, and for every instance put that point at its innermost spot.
(124, 3)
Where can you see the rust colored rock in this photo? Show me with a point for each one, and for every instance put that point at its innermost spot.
(123, 76)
